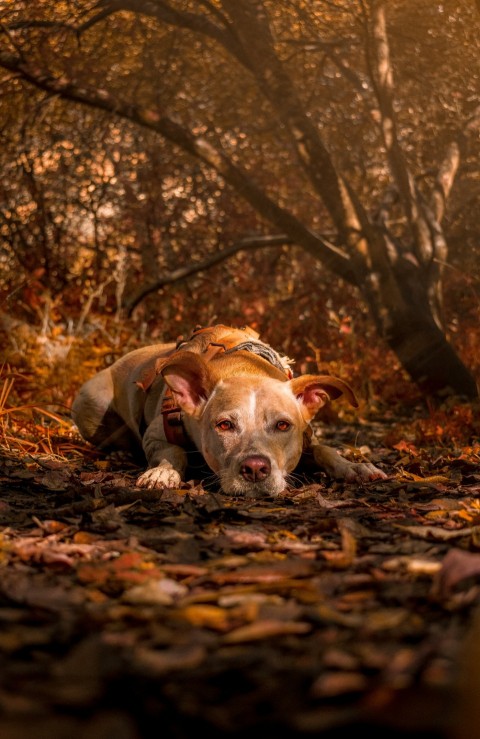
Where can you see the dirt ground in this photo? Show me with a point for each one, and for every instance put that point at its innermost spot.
(326, 611)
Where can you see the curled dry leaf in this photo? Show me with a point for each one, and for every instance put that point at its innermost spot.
(266, 629)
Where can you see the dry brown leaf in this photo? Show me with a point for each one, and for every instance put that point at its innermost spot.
(164, 591)
(457, 565)
(435, 532)
(265, 629)
(337, 683)
(159, 662)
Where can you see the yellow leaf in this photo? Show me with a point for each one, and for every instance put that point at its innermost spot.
(212, 617)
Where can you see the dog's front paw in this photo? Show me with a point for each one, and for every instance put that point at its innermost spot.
(362, 472)
(163, 476)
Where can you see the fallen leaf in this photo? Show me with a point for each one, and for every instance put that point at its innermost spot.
(338, 683)
(208, 616)
(155, 592)
(435, 532)
(159, 662)
(457, 565)
(264, 630)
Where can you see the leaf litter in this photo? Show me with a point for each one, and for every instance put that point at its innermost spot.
(325, 610)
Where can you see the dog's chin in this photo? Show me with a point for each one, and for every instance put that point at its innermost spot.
(237, 485)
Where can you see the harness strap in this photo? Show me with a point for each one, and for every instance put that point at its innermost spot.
(172, 420)
(264, 351)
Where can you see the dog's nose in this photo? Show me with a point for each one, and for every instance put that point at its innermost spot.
(255, 468)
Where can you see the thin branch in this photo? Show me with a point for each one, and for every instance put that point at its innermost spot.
(444, 180)
(26, 25)
(164, 12)
(330, 255)
(182, 273)
(94, 20)
(253, 28)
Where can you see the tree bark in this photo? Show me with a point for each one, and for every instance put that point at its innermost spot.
(429, 358)
(422, 348)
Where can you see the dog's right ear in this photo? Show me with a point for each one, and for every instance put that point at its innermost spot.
(190, 380)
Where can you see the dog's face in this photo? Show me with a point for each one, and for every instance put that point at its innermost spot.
(251, 434)
(249, 428)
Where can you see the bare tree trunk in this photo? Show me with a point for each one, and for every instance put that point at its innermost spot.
(410, 330)
(429, 359)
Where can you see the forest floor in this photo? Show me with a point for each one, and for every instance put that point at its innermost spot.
(327, 610)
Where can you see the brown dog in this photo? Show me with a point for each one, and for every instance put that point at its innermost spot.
(224, 393)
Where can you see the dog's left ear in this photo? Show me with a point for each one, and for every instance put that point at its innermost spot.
(190, 380)
(313, 391)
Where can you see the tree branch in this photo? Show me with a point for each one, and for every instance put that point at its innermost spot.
(382, 76)
(177, 275)
(164, 12)
(378, 57)
(331, 256)
(253, 28)
(250, 41)
(444, 180)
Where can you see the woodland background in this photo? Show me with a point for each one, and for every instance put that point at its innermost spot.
(310, 169)
(98, 208)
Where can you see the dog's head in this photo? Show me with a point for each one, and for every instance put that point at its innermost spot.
(249, 427)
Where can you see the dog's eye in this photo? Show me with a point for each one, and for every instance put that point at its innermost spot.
(224, 425)
(283, 425)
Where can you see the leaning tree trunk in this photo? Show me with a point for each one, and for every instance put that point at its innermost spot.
(424, 352)
(402, 298)
(428, 357)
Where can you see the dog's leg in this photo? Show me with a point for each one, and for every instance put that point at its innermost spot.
(95, 417)
(340, 468)
(166, 462)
